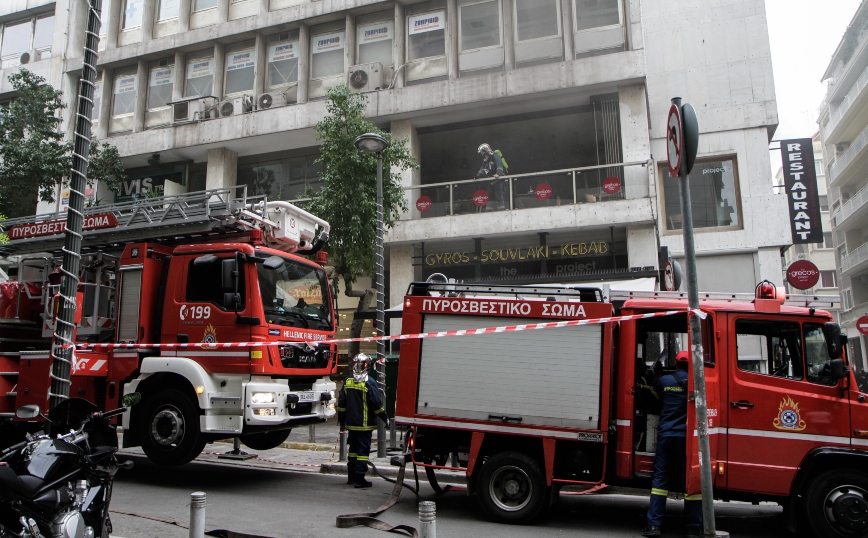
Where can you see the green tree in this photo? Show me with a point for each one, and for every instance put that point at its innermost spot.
(348, 197)
(34, 156)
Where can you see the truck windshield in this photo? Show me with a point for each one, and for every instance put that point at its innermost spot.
(295, 294)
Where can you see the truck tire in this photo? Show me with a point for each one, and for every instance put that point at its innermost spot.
(512, 488)
(170, 428)
(837, 504)
(265, 441)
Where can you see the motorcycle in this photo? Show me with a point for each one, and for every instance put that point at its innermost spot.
(58, 482)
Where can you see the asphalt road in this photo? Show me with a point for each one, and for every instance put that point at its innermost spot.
(279, 503)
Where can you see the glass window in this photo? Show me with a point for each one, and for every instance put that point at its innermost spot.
(97, 99)
(827, 240)
(282, 61)
(327, 51)
(239, 71)
(536, 19)
(106, 9)
(124, 95)
(828, 279)
(42, 37)
(168, 9)
(205, 283)
(596, 13)
(769, 347)
(480, 25)
(200, 76)
(375, 42)
(818, 166)
(200, 5)
(426, 35)
(16, 38)
(817, 357)
(160, 86)
(295, 295)
(132, 15)
(824, 202)
(713, 195)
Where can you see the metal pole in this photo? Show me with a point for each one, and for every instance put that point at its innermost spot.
(381, 345)
(696, 350)
(342, 452)
(311, 433)
(62, 348)
(427, 519)
(197, 515)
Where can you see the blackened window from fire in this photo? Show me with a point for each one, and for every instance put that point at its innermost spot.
(714, 195)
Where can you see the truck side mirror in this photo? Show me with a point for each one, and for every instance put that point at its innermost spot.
(832, 332)
(231, 300)
(230, 269)
(27, 411)
(838, 369)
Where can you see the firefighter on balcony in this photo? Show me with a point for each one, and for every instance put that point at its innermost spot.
(493, 166)
(670, 457)
(359, 405)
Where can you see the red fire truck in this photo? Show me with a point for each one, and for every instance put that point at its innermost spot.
(167, 286)
(526, 412)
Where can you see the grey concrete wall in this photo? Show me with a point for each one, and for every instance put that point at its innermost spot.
(222, 169)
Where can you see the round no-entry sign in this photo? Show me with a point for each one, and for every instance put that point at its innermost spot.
(862, 324)
(674, 140)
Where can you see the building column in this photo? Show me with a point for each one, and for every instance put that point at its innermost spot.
(219, 62)
(141, 97)
(303, 62)
(349, 41)
(79, 10)
(185, 10)
(567, 27)
(508, 35)
(406, 130)
(263, 6)
(114, 24)
(452, 38)
(635, 141)
(222, 11)
(261, 67)
(178, 78)
(401, 274)
(642, 246)
(399, 53)
(149, 16)
(105, 104)
(767, 264)
(222, 170)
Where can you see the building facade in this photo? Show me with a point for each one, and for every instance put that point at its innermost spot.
(844, 128)
(575, 94)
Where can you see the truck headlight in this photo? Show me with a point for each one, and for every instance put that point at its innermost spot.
(262, 397)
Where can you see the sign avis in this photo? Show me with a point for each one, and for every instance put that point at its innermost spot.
(800, 179)
(133, 188)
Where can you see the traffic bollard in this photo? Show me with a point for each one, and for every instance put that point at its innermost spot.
(311, 433)
(342, 453)
(197, 515)
(393, 434)
(427, 519)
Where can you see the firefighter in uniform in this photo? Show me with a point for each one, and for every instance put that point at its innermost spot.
(359, 405)
(670, 457)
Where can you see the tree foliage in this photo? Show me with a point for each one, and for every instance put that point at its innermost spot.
(35, 158)
(348, 198)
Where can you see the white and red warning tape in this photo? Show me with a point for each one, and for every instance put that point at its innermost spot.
(417, 336)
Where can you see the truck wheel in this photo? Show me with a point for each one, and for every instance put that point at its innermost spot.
(170, 428)
(837, 504)
(512, 488)
(265, 441)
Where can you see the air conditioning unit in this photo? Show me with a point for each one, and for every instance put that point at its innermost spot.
(842, 147)
(272, 99)
(365, 77)
(196, 110)
(235, 106)
(24, 59)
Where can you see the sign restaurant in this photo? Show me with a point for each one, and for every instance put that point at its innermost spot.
(800, 179)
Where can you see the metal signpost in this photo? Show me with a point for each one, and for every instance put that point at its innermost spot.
(682, 139)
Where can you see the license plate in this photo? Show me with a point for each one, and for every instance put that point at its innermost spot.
(307, 396)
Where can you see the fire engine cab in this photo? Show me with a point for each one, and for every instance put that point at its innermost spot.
(525, 412)
(200, 302)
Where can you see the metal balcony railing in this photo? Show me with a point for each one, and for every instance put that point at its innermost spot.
(854, 258)
(846, 103)
(851, 206)
(847, 157)
(549, 188)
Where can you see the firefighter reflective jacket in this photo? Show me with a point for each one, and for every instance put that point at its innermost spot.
(673, 394)
(359, 405)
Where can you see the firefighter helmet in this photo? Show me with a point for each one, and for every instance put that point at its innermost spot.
(484, 149)
(361, 363)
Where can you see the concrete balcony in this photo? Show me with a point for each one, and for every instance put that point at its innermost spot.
(854, 101)
(853, 212)
(841, 168)
(850, 316)
(855, 260)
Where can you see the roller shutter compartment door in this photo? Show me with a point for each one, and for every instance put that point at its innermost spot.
(547, 377)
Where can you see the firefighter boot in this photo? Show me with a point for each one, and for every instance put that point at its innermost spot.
(351, 471)
(361, 482)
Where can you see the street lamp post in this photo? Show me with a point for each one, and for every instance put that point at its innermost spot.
(374, 143)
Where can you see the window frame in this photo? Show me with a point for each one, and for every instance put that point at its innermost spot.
(576, 29)
(445, 30)
(834, 274)
(193, 57)
(515, 24)
(115, 78)
(311, 54)
(159, 6)
(123, 16)
(194, 10)
(151, 69)
(663, 168)
(268, 45)
(242, 285)
(35, 54)
(754, 319)
(499, 44)
(236, 48)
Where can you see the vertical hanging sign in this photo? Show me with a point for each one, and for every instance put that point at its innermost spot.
(800, 179)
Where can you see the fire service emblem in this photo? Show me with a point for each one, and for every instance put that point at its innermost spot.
(210, 337)
(788, 416)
